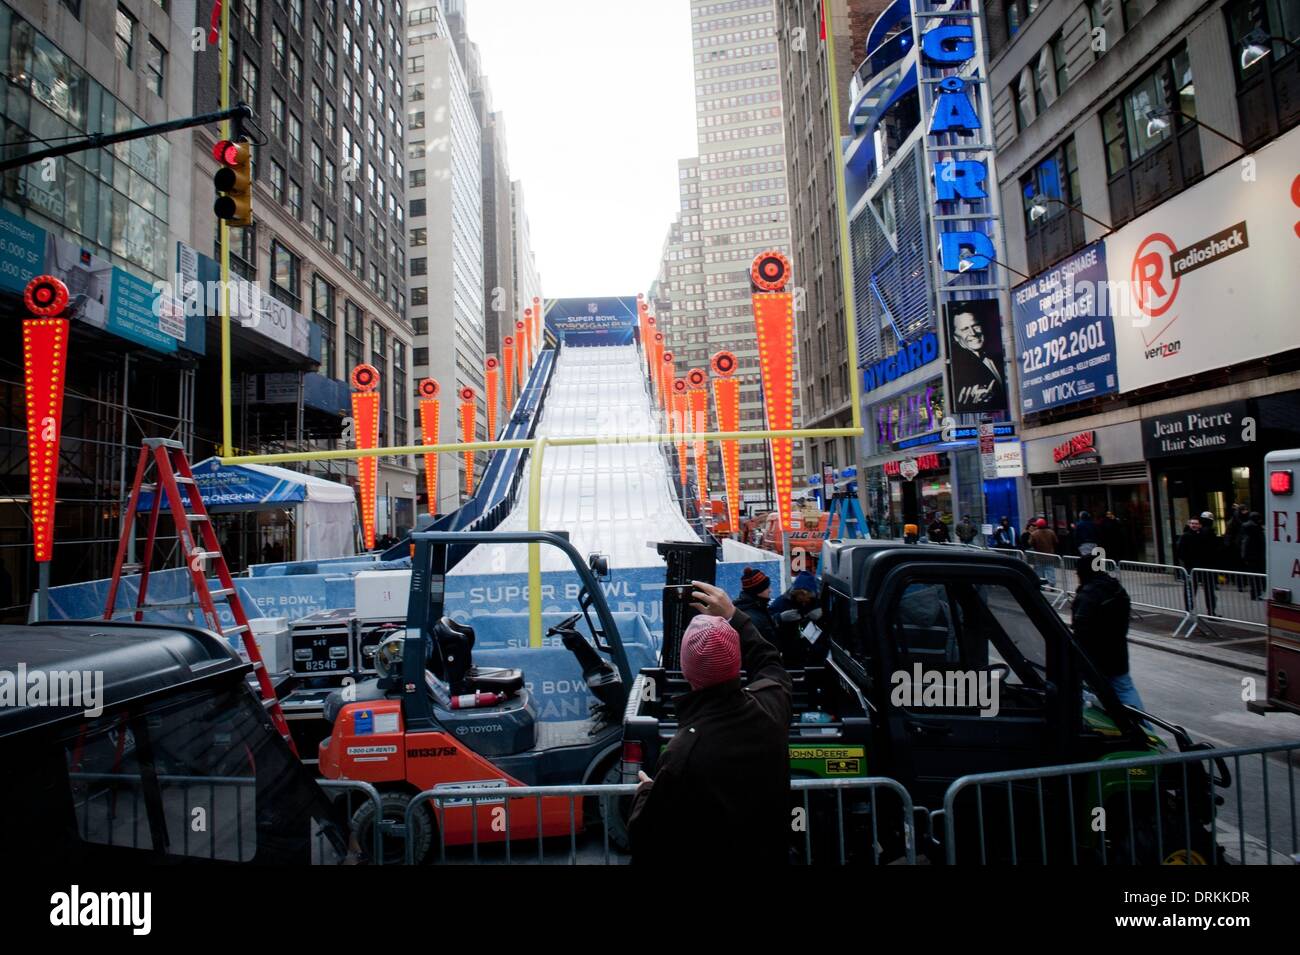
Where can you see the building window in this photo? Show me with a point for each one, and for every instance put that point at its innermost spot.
(419, 237)
(1057, 230)
(317, 104)
(317, 223)
(419, 266)
(401, 394)
(415, 64)
(354, 344)
(124, 41)
(1149, 156)
(1268, 70)
(295, 137)
(251, 15)
(322, 313)
(417, 178)
(1060, 62)
(295, 71)
(285, 275)
(420, 357)
(248, 82)
(156, 67)
(277, 115)
(277, 47)
(295, 199)
(417, 207)
(277, 181)
(331, 235)
(1018, 11)
(419, 296)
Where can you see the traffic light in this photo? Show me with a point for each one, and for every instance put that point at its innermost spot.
(233, 182)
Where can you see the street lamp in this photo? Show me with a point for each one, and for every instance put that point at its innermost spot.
(1158, 122)
(1258, 45)
(1037, 210)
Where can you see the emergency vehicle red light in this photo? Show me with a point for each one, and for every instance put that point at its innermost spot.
(1280, 482)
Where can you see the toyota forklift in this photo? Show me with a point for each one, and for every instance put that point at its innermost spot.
(433, 720)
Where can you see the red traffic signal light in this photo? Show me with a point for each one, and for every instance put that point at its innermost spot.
(233, 182)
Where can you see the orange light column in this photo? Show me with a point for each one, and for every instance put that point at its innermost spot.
(45, 356)
(365, 428)
(657, 372)
(539, 333)
(468, 421)
(726, 403)
(521, 355)
(774, 325)
(508, 369)
(679, 414)
(528, 336)
(697, 393)
(429, 410)
(491, 367)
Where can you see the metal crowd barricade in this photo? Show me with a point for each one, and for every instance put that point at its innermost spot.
(1229, 596)
(841, 818)
(1121, 812)
(1051, 568)
(1159, 588)
(323, 853)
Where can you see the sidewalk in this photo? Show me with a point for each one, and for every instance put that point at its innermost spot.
(1241, 648)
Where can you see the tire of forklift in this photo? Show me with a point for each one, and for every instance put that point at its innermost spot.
(614, 813)
(394, 805)
(1170, 849)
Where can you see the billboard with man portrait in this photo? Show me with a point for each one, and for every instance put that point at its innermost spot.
(977, 375)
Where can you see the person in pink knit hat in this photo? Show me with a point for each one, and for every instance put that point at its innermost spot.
(721, 791)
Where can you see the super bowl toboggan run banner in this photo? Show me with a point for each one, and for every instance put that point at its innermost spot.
(593, 321)
(634, 594)
(1202, 281)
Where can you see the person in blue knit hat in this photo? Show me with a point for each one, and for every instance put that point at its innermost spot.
(795, 613)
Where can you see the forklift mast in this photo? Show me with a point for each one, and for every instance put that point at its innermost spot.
(427, 603)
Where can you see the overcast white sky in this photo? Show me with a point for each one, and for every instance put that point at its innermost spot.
(599, 105)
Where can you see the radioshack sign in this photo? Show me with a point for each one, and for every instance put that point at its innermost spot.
(1211, 274)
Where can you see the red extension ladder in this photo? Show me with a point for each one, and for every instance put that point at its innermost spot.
(198, 542)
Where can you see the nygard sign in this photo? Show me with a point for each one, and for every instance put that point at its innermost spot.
(908, 358)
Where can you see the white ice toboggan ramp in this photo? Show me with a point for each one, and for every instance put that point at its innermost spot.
(613, 499)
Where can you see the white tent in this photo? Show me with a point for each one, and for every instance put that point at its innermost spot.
(324, 511)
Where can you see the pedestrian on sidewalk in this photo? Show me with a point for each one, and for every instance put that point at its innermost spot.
(1100, 623)
(721, 793)
(1252, 552)
(1194, 553)
(966, 531)
(1004, 535)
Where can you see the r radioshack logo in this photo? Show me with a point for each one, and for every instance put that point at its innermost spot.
(1157, 273)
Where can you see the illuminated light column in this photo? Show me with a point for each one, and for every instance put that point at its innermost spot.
(45, 358)
(508, 368)
(365, 426)
(726, 403)
(697, 392)
(490, 369)
(429, 407)
(539, 336)
(521, 355)
(774, 325)
(643, 328)
(678, 415)
(657, 372)
(468, 420)
(528, 336)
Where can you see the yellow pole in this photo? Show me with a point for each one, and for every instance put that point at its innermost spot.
(227, 441)
(341, 454)
(534, 550)
(846, 258)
